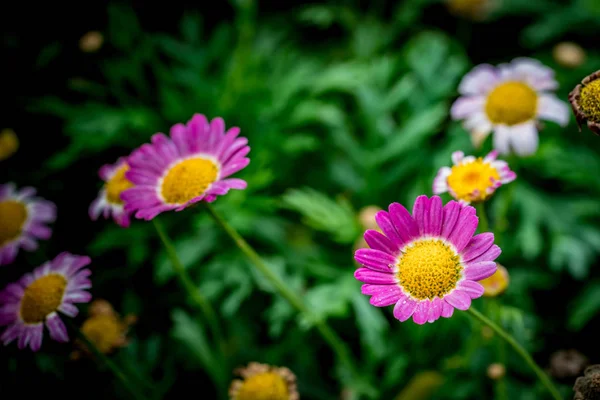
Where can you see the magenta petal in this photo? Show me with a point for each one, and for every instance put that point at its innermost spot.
(458, 299)
(386, 296)
(478, 245)
(11, 333)
(37, 334)
(421, 214)
(421, 313)
(56, 328)
(473, 289)
(384, 221)
(404, 309)
(463, 231)
(480, 270)
(434, 218)
(450, 214)
(490, 255)
(375, 259)
(435, 310)
(24, 338)
(367, 275)
(447, 309)
(405, 224)
(369, 289)
(378, 241)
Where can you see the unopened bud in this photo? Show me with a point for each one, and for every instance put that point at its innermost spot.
(569, 54)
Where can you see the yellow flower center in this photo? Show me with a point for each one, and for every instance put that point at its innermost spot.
(42, 297)
(117, 184)
(265, 386)
(429, 268)
(590, 100)
(469, 181)
(12, 217)
(511, 103)
(104, 331)
(188, 179)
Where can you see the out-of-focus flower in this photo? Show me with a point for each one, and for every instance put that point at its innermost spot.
(509, 99)
(428, 263)
(23, 219)
(264, 382)
(37, 297)
(91, 42)
(109, 200)
(496, 284)
(476, 10)
(190, 166)
(587, 387)
(585, 101)
(9, 143)
(105, 328)
(421, 386)
(567, 363)
(496, 371)
(568, 54)
(366, 217)
(472, 179)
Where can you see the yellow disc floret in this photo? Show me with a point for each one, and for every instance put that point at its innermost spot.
(13, 215)
(429, 268)
(42, 297)
(188, 179)
(117, 184)
(511, 103)
(105, 331)
(470, 181)
(263, 386)
(590, 100)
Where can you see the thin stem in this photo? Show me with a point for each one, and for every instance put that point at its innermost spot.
(199, 300)
(484, 225)
(109, 363)
(544, 379)
(328, 334)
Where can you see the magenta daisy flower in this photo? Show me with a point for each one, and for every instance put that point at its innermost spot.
(426, 264)
(109, 200)
(36, 298)
(23, 219)
(509, 99)
(192, 165)
(473, 179)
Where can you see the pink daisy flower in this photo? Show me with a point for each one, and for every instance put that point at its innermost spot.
(509, 99)
(36, 299)
(23, 220)
(427, 264)
(190, 166)
(472, 179)
(109, 200)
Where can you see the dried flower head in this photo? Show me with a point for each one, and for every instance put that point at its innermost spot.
(264, 382)
(585, 101)
(105, 328)
(587, 387)
(567, 363)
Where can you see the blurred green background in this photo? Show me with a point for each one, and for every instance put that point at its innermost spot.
(345, 104)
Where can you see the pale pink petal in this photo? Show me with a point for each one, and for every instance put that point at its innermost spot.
(552, 109)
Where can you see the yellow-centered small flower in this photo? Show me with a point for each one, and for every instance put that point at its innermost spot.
(264, 382)
(9, 143)
(496, 284)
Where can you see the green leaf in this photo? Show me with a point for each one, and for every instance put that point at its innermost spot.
(324, 214)
(585, 306)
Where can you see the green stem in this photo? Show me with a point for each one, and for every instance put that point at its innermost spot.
(109, 363)
(544, 379)
(484, 225)
(199, 300)
(328, 334)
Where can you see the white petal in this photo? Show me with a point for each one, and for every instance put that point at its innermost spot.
(502, 139)
(552, 109)
(479, 80)
(467, 105)
(524, 138)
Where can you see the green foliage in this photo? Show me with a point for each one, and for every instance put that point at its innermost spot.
(359, 119)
